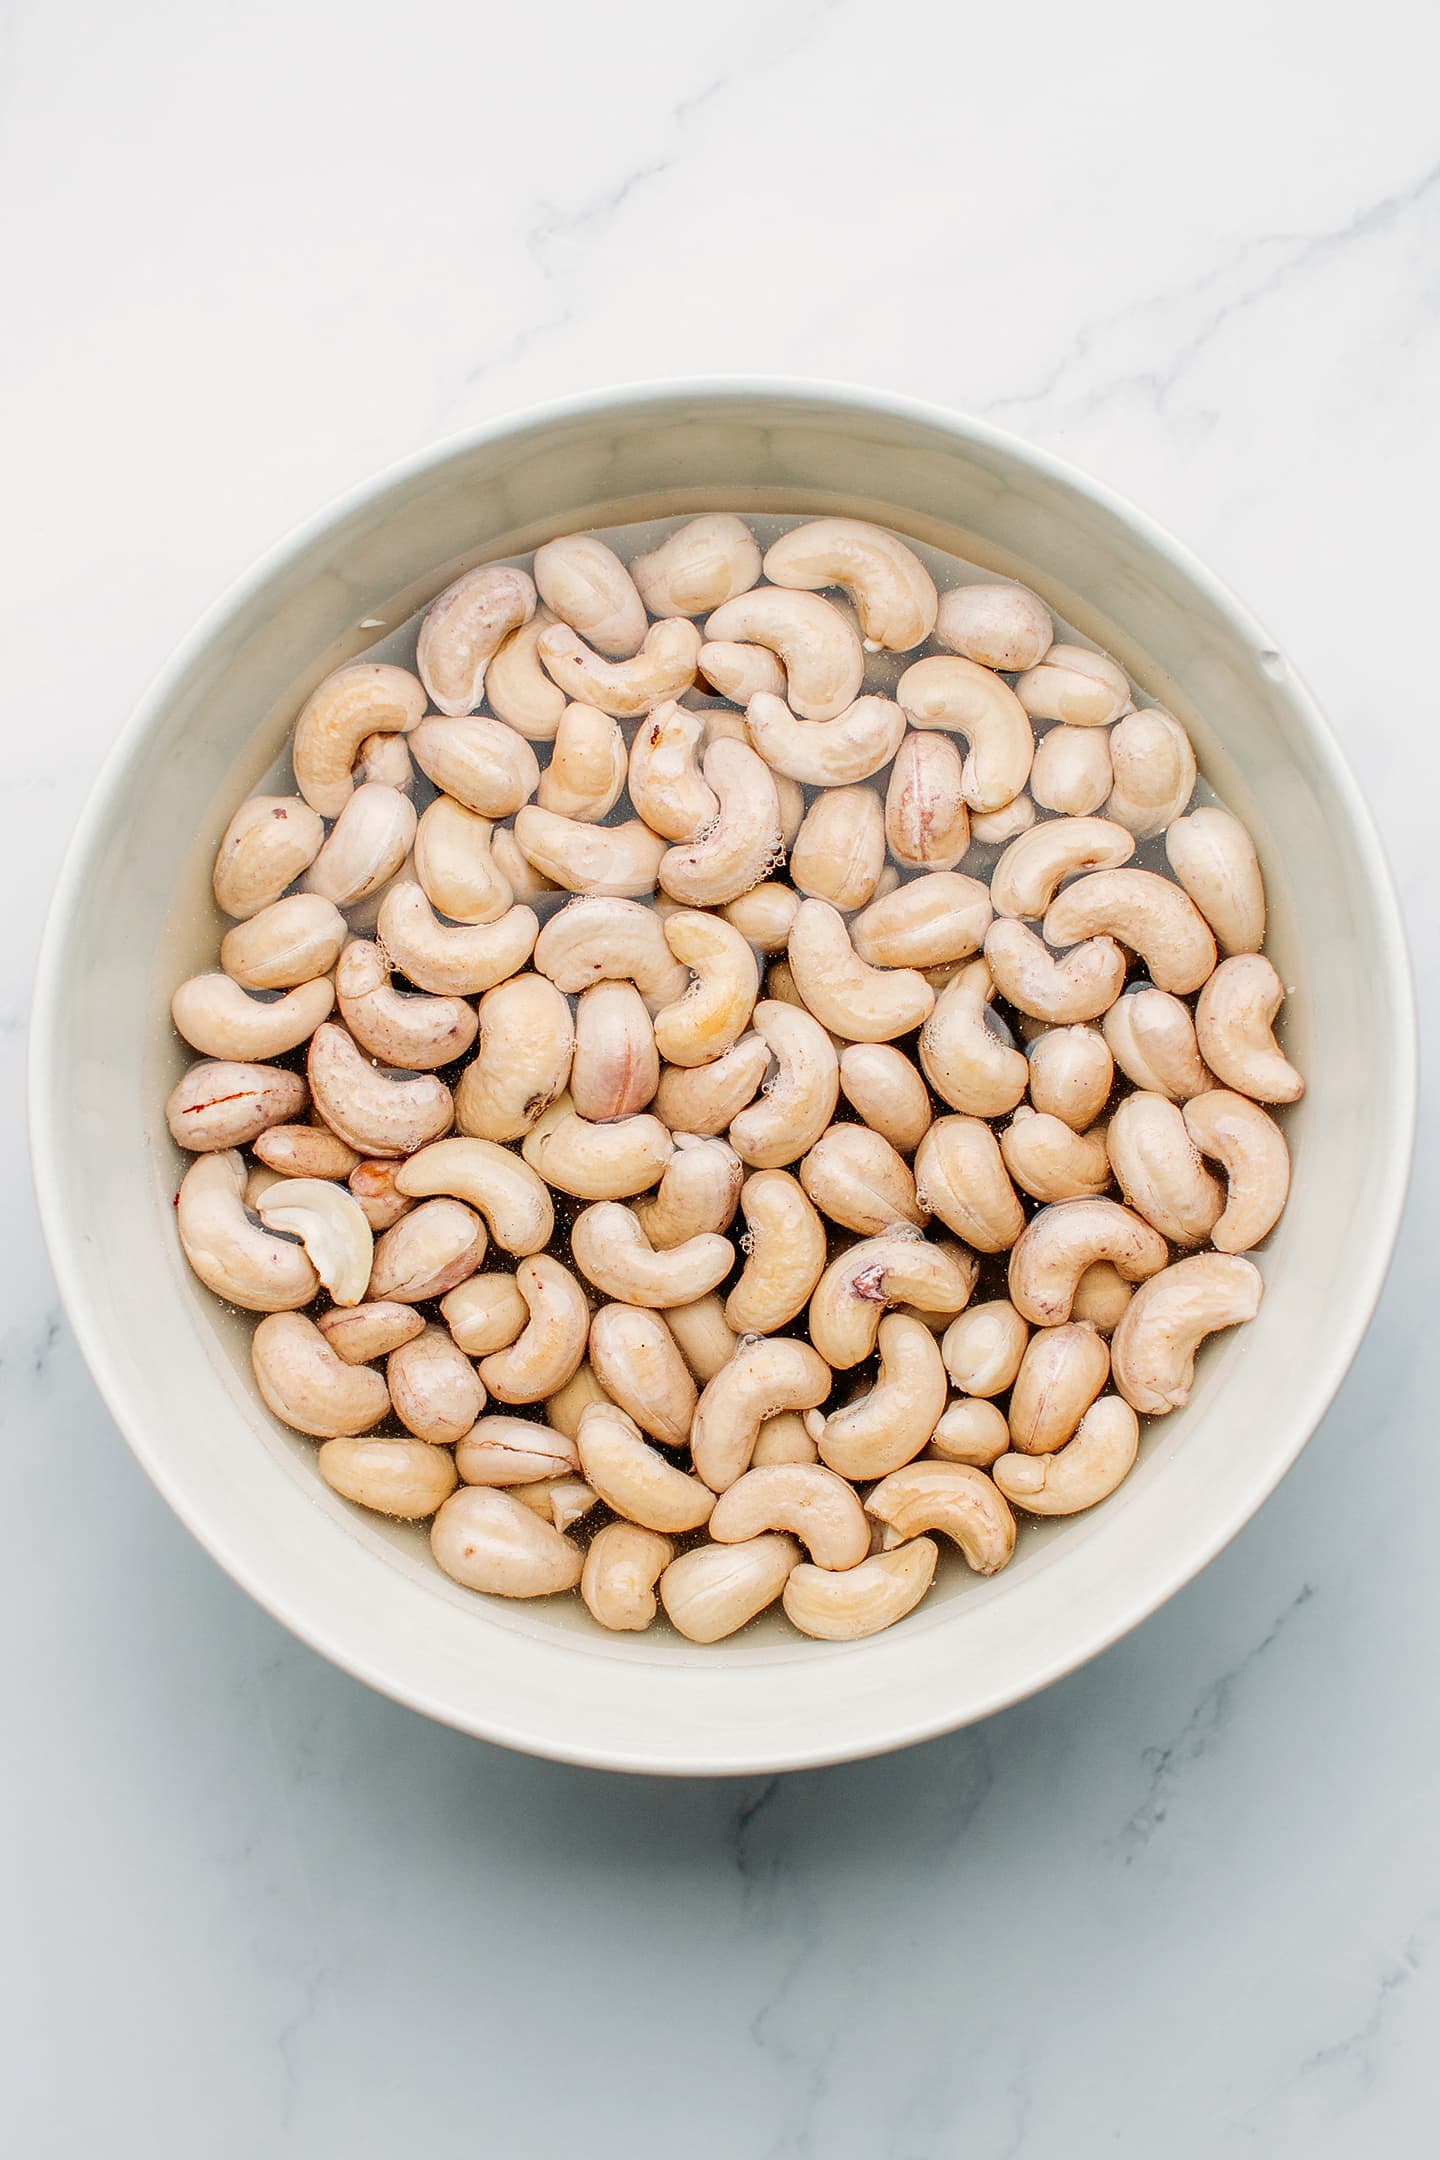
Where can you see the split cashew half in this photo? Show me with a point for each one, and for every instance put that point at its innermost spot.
(927, 820)
(330, 1225)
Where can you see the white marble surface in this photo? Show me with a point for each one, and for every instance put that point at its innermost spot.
(1187, 1903)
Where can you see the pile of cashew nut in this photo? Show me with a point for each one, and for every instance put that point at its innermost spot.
(652, 1018)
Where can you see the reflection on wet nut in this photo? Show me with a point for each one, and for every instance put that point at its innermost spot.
(951, 1497)
(1250, 1148)
(928, 922)
(378, 1113)
(464, 628)
(763, 916)
(548, 1350)
(761, 1379)
(222, 1020)
(405, 1478)
(1146, 913)
(962, 1177)
(805, 1499)
(1153, 1349)
(785, 1248)
(487, 1541)
(1050, 1160)
(616, 1066)
(307, 1386)
(965, 699)
(503, 1450)
(862, 1600)
(820, 653)
(362, 1333)
(610, 941)
(703, 1099)
(897, 1269)
(799, 1099)
(698, 567)
(454, 865)
(484, 764)
(1158, 1168)
(484, 1313)
(1062, 1241)
(662, 668)
(1076, 686)
(1000, 625)
(711, 1592)
(963, 1058)
(1080, 986)
(894, 594)
(359, 700)
(1085, 1470)
(1152, 1037)
(667, 787)
(883, 1086)
(699, 1191)
(609, 860)
(373, 1184)
(367, 845)
(1214, 858)
(1101, 1297)
(1032, 869)
(417, 1033)
(597, 1162)
(221, 1105)
(451, 959)
(584, 583)
(433, 1388)
(1061, 1373)
(878, 1431)
(332, 1228)
(637, 1365)
(1071, 1074)
(972, 1430)
(289, 942)
(716, 1008)
(517, 688)
(825, 753)
(427, 1252)
(231, 1254)
(622, 1567)
(741, 843)
(983, 1348)
(848, 996)
(1154, 769)
(1072, 772)
(839, 851)
(266, 845)
(612, 1250)
(506, 1191)
(1233, 1026)
(527, 1040)
(860, 1181)
(634, 1478)
(927, 820)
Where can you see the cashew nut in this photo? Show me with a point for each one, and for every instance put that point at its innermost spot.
(1154, 768)
(266, 845)
(763, 916)
(1214, 858)
(501, 1450)
(994, 828)
(1102, 1296)
(762, 1378)
(484, 1313)
(517, 688)
(597, 1162)
(716, 1589)
(427, 1252)
(513, 1200)
(861, 1181)
(362, 1333)
(894, 594)
(663, 667)
(557, 1500)
(634, 1478)
(785, 1255)
(1158, 1168)
(610, 941)
(963, 1058)
(451, 959)
(1152, 1037)
(699, 1191)
(585, 777)
(1152, 1352)
(807, 1500)
(1088, 1468)
(666, 785)
(618, 861)
(839, 851)
(219, 1105)
(961, 1177)
(983, 1348)
(929, 922)
(741, 672)
(896, 1269)
(705, 1338)
(1050, 1160)
(883, 1086)
(799, 1100)
(952, 1497)
(1075, 685)
(862, 1600)
(1072, 772)
(716, 1008)
(637, 1365)
(698, 567)
(1233, 1026)
(222, 1020)
(703, 1099)
(238, 1261)
(405, 1478)
(307, 1386)
(548, 1351)
(433, 1388)
(612, 1250)
(858, 1002)
(1032, 869)
(454, 864)
(878, 1431)
(965, 699)
(355, 701)
(1062, 1372)
(822, 656)
(417, 1033)
(825, 753)
(616, 1067)
(487, 1541)
(1002, 626)
(1071, 1074)
(485, 764)
(927, 822)
(743, 841)
(1063, 1240)
(622, 1567)
(584, 583)
(783, 1438)
(367, 844)
(296, 1151)
(1145, 912)
(292, 941)
(373, 1184)
(526, 883)
(376, 1113)
(463, 629)
(330, 1225)
(1081, 986)
(385, 758)
(1250, 1148)
(972, 1431)
(527, 1042)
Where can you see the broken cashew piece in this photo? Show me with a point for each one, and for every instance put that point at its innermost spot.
(1062, 1241)
(637, 1364)
(822, 657)
(612, 1251)
(951, 1497)
(762, 1378)
(799, 1101)
(716, 1589)
(527, 1044)
(965, 699)
(663, 667)
(1146, 913)
(376, 1112)
(1251, 1149)
(1214, 858)
(634, 1478)
(307, 1386)
(486, 1541)
(887, 1426)
(597, 1162)
(1152, 1352)
(805, 1499)
(463, 629)
(360, 699)
(1088, 1468)
(232, 1256)
(1233, 1026)
(505, 1191)
(848, 996)
(548, 1350)
(862, 1600)
(1158, 1168)
(622, 1567)
(897, 1269)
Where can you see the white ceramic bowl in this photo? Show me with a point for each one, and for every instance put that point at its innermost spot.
(134, 913)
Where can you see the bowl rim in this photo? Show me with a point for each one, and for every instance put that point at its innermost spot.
(1324, 1374)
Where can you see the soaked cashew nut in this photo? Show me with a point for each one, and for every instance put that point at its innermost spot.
(1081, 986)
(927, 820)
(716, 1589)
(362, 1333)
(1250, 1148)
(820, 653)
(622, 1567)
(231, 1255)
(500, 1450)
(522, 1064)
(897, 1269)
(762, 1378)
(513, 1201)
(805, 1499)
(220, 1104)
(1146, 913)
(966, 699)
(405, 1478)
(1074, 685)
(983, 1348)
(703, 1099)
(961, 1175)
(417, 1033)
(698, 1192)
(1233, 1026)
(307, 1386)
(548, 1350)
(1158, 1168)
(666, 784)
(373, 1184)
(305, 1151)
(433, 1388)
(597, 1162)
(330, 1225)
(1072, 772)
(951, 1497)
(485, 764)
(222, 1020)
(1032, 869)
(451, 959)
(663, 667)
(616, 1067)
(848, 996)
(585, 777)
(716, 1008)
(610, 941)
(355, 701)
(637, 1365)
(385, 758)
(454, 865)
(487, 1541)
(367, 845)
(861, 1181)
(612, 1250)
(1088, 1468)
(1102, 1296)
(484, 1313)
(799, 1099)
(566, 1409)
(785, 1255)
(371, 1109)
(825, 753)
(270, 840)
(1002, 626)
(1050, 1160)
(706, 1340)
(634, 1478)
(292, 941)
(560, 1500)
(740, 672)
(1153, 1349)
(464, 628)
(517, 688)
(617, 861)
(1061, 1373)
(733, 852)
(929, 922)
(972, 1431)
(1071, 1074)
(1154, 768)
(893, 593)
(1152, 1038)
(1062, 1241)
(844, 1607)
(763, 916)
(883, 1086)
(584, 583)
(994, 828)
(1214, 858)
(879, 1431)
(698, 567)
(783, 1438)
(962, 1057)
(839, 851)
(427, 1252)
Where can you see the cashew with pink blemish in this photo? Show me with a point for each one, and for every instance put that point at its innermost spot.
(927, 820)
(896, 1269)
